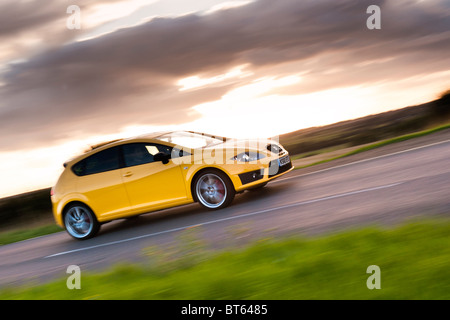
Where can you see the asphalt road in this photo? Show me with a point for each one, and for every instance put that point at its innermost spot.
(384, 190)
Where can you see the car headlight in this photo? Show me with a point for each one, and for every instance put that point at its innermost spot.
(248, 156)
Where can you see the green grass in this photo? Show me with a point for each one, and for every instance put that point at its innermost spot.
(414, 260)
(319, 151)
(379, 144)
(7, 237)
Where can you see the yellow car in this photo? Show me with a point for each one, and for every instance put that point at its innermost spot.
(129, 177)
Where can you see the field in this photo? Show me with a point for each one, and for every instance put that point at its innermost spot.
(369, 129)
(412, 260)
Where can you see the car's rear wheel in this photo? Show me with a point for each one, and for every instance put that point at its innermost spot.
(213, 189)
(80, 222)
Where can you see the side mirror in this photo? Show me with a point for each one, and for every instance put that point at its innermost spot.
(161, 156)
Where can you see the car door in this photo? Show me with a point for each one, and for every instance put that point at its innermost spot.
(100, 182)
(150, 184)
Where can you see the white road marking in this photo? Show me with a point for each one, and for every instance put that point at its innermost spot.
(364, 160)
(227, 219)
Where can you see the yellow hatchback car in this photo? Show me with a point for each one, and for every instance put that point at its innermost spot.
(129, 177)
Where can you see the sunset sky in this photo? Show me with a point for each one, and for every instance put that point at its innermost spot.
(238, 68)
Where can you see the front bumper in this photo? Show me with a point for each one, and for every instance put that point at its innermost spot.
(268, 172)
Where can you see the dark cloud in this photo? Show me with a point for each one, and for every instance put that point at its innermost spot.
(17, 16)
(24, 15)
(128, 77)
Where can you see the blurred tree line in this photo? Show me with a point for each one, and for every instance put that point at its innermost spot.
(441, 107)
(25, 208)
(370, 128)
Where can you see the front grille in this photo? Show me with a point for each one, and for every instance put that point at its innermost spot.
(275, 169)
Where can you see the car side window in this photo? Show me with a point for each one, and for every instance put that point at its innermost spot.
(141, 153)
(102, 161)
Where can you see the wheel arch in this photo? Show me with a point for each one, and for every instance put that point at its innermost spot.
(199, 172)
(74, 202)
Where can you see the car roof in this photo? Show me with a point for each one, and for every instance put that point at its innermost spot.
(146, 136)
(106, 144)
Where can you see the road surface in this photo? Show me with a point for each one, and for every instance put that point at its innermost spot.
(383, 190)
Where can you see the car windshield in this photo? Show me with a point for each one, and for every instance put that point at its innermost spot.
(191, 140)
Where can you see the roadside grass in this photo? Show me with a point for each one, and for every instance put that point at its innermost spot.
(377, 145)
(414, 262)
(319, 151)
(7, 237)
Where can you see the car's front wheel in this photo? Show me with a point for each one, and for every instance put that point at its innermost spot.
(213, 189)
(80, 222)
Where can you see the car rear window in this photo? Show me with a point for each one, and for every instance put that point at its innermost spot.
(102, 161)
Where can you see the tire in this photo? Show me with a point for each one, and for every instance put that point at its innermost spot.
(213, 189)
(80, 222)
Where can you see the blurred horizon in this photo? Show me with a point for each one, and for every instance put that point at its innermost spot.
(238, 68)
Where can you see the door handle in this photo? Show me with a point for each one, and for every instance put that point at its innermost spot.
(128, 174)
